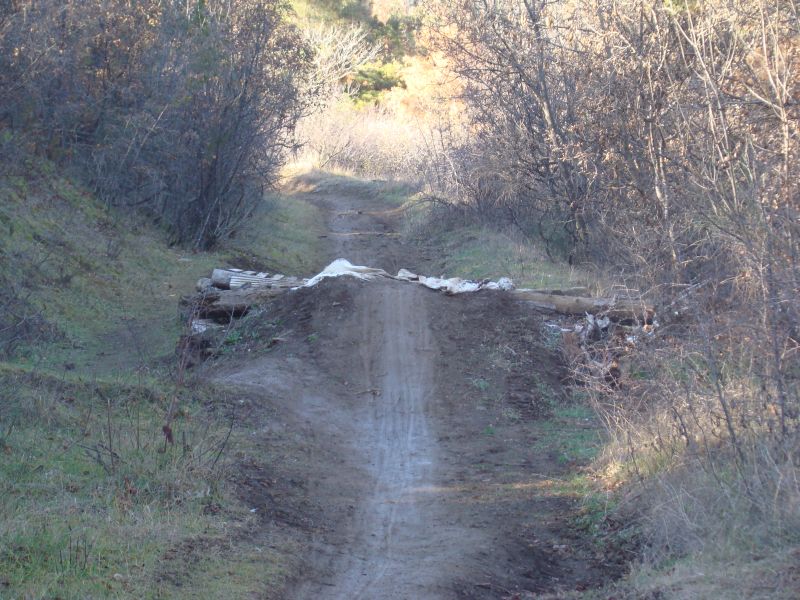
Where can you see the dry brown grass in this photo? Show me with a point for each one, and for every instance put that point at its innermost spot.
(369, 142)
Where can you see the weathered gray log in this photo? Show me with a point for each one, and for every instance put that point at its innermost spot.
(227, 279)
(222, 305)
(204, 284)
(615, 309)
(573, 291)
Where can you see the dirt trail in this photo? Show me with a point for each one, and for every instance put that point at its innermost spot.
(399, 545)
(416, 417)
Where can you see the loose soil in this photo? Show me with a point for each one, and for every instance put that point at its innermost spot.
(404, 426)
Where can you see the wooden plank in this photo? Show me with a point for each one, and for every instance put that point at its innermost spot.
(616, 309)
(573, 291)
(232, 278)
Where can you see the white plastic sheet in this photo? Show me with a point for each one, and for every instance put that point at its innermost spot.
(454, 285)
(342, 267)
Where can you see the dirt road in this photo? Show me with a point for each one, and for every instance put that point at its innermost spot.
(400, 544)
(417, 415)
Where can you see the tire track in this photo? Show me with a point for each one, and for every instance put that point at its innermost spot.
(397, 524)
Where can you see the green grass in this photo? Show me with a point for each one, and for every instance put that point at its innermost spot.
(476, 253)
(571, 432)
(107, 285)
(253, 570)
(282, 236)
(94, 369)
(77, 523)
(481, 384)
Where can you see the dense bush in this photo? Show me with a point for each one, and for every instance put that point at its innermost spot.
(663, 139)
(179, 109)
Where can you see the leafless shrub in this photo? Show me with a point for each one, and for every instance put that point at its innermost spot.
(21, 322)
(370, 141)
(180, 109)
(663, 138)
(338, 53)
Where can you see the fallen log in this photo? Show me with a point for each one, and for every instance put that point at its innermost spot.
(223, 305)
(204, 285)
(573, 291)
(615, 309)
(230, 279)
(221, 278)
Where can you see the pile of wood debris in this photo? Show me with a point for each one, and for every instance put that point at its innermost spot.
(230, 293)
(597, 349)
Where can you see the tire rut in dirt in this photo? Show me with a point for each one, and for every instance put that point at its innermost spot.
(401, 544)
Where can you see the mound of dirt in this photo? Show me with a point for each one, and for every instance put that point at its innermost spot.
(408, 429)
(419, 468)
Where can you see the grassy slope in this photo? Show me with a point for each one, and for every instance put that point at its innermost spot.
(99, 366)
(97, 279)
(106, 281)
(474, 252)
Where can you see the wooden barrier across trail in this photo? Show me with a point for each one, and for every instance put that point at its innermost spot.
(230, 293)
